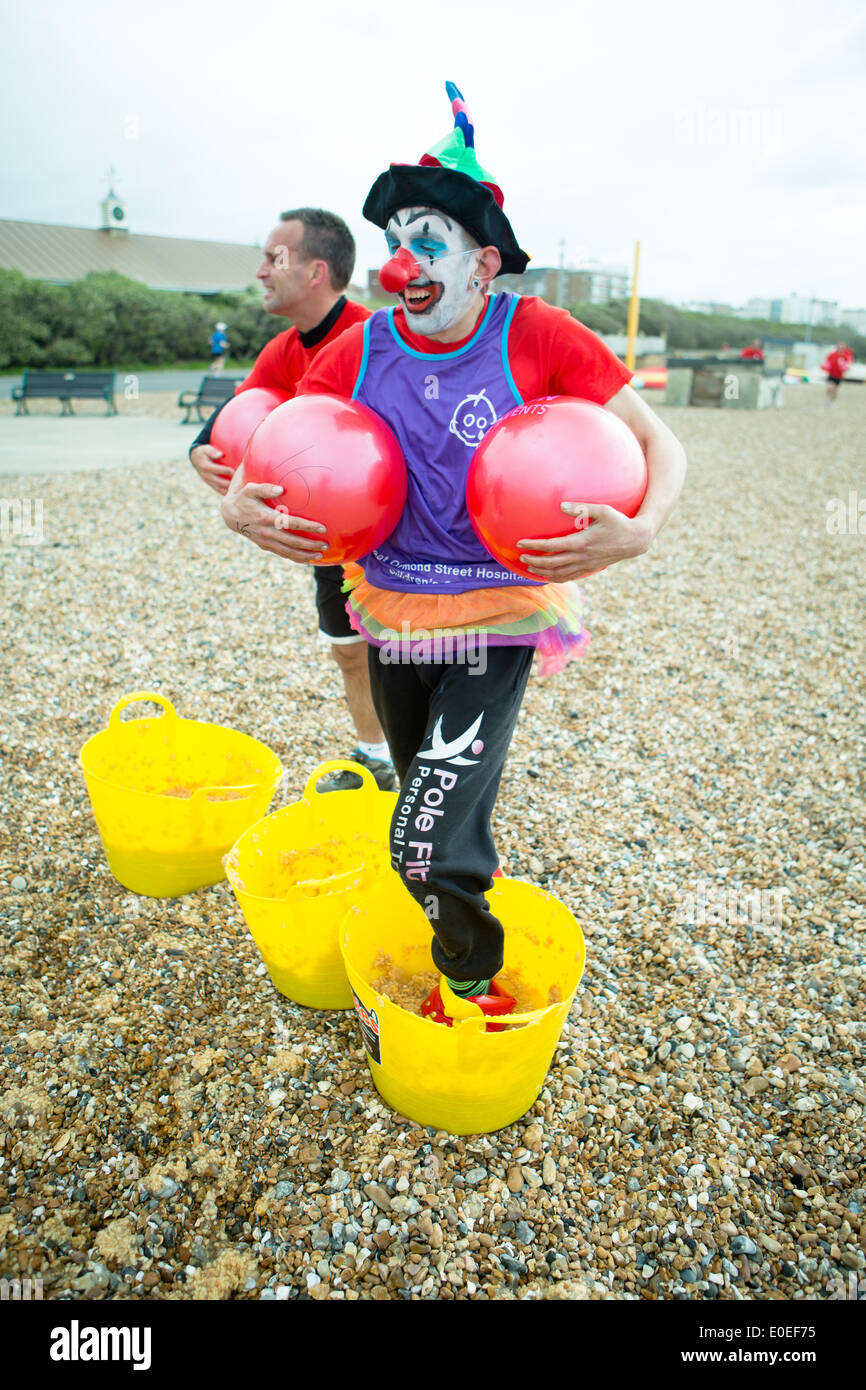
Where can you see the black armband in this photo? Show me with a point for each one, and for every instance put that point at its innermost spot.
(204, 434)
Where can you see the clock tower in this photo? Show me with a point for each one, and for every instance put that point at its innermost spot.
(113, 211)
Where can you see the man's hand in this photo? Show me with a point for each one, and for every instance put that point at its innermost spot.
(204, 459)
(243, 510)
(609, 538)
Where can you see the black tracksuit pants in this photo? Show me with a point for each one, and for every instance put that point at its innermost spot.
(449, 726)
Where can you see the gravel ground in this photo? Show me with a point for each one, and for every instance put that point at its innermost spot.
(173, 1128)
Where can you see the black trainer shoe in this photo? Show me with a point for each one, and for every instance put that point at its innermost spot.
(345, 781)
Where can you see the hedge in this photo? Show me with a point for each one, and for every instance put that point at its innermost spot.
(105, 320)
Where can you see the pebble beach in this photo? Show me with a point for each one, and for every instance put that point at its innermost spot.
(171, 1127)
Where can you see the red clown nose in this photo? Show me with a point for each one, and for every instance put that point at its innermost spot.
(396, 273)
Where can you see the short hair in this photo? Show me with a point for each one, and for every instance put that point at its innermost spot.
(326, 238)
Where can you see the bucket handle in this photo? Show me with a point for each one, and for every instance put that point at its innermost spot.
(201, 798)
(334, 765)
(168, 708)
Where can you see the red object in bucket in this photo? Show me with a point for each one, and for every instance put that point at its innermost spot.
(239, 418)
(556, 449)
(339, 464)
(496, 1004)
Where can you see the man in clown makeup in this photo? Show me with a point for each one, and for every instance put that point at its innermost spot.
(452, 634)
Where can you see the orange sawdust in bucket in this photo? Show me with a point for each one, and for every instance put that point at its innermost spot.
(170, 796)
(408, 991)
(296, 872)
(314, 868)
(462, 1079)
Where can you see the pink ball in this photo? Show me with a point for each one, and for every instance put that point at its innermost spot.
(339, 464)
(556, 449)
(239, 418)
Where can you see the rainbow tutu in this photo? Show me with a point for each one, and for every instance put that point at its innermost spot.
(435, 627)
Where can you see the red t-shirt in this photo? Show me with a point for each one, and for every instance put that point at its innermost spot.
(753, 354)
(284, 360)
(838, 363)
(549, 353)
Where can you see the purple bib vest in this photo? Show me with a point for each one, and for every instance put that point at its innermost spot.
(440, 405)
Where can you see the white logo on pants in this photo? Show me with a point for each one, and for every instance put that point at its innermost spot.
(440, 751)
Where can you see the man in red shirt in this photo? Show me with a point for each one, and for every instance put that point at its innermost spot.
(836, 364)
(307, 264)
(441, 369)
(753, 353)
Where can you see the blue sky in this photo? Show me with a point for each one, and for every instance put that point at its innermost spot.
(729, 139)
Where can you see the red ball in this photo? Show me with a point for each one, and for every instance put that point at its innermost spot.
(556, 449)
(339, 464)
(239, 417)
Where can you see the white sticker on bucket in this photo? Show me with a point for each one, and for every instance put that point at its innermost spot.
(369, 1021)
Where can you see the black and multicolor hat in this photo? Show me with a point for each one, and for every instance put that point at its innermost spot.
(450, 178)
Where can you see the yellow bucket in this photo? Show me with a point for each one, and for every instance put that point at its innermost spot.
(463, 1079)
(339, 840)
(172, 795)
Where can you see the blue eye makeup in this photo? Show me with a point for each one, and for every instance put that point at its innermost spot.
(429, 247)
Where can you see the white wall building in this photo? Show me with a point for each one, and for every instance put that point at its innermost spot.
(853, 318)
(606, 282)
(793, 308)
(709, 306)
(756, 309)
(818, 312)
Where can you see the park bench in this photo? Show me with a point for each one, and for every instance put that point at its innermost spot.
(214, 391)
(65, 387)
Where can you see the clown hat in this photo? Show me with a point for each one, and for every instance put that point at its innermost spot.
(450, 178)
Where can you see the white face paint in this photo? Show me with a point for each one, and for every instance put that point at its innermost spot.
(442, 293)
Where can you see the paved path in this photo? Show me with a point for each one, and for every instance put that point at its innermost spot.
(147, 381)
(48, 444)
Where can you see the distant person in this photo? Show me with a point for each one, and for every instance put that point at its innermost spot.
(307, 263)
(219, 345)
(754, 352)
(836, 364)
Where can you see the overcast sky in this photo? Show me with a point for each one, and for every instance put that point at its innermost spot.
(729, 138)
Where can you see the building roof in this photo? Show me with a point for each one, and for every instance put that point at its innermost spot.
(63, 254)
